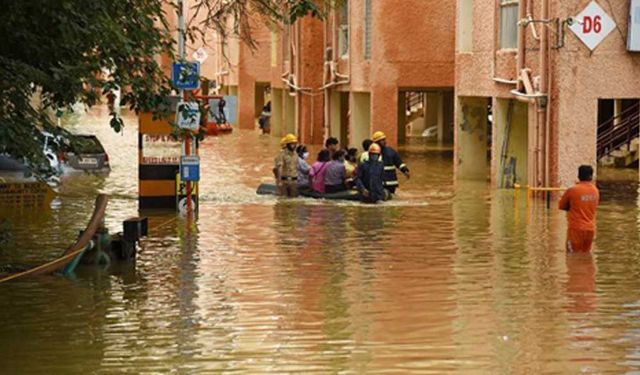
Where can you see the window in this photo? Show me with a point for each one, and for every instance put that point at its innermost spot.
(343, 30)
(367, 29)
(508, 23)
(465, 25)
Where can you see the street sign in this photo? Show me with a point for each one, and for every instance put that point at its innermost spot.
(200, 55)
(593, 25)
(186, 76)
(188, 115)
(190, 168)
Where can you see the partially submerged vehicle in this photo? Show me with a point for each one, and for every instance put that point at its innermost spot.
(348, 195)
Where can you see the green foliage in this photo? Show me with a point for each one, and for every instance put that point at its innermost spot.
(57, 52)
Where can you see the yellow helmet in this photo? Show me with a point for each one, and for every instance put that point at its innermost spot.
(378, 136)
(289, 138)
(374, 149)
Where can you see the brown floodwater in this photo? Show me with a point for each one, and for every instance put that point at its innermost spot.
(446, 279)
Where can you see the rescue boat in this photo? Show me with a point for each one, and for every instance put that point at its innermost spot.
(348, 195)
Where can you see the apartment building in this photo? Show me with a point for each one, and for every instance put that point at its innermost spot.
(543, 86)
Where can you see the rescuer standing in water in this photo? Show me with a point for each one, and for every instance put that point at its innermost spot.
(581, 202)
(391, 160)
(286, 168)
(370, 182)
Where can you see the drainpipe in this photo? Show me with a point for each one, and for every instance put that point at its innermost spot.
(522, 40)
(542, 103)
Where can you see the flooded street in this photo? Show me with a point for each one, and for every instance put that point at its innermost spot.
(446, 279)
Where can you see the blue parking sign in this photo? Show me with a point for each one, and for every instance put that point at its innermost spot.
(186, 75)
(190, 168)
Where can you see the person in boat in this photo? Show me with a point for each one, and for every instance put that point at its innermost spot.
(350, 164)
(365, 153)
(336, 175)
(581, 202)
(303, 168)
(286, 168)
(332, 144)
(370, 180)
(222, 117)
(391, 160)
(318, 171)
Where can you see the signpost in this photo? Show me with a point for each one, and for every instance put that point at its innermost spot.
(186, 75)
(593, 25)
(188, 115)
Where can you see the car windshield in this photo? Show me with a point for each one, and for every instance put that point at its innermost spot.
(83, 144)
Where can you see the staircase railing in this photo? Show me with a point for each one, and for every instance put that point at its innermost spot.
(413, 99)
(619, 131)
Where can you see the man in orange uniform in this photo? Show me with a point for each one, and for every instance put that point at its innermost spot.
(581, 202)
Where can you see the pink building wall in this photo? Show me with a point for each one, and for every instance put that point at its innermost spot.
(578, 77)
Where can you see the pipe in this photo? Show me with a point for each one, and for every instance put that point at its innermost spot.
(522, 40)
(532, 26)
(544, 87)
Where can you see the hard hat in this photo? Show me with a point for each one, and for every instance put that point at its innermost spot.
(290, 138)
(282, 142)
(374, 148)
(378, 136)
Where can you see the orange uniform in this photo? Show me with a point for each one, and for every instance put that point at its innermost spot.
(581, 202)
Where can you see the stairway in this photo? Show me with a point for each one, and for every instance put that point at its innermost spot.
(618, 139)
(415, 105)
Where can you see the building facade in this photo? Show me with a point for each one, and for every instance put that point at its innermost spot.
(532, 97)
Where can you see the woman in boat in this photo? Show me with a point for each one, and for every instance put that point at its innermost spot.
(303, 168)
(334, 180)
(318, 171)
(350, 164)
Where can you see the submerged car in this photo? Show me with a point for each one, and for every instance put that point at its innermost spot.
(84, 153)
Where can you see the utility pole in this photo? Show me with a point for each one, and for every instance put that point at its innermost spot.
(186, 146)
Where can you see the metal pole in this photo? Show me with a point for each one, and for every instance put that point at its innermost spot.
(182, 56)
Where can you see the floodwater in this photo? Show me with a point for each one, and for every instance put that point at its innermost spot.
(448, 279)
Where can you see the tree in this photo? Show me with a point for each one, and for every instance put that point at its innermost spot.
(60, 50)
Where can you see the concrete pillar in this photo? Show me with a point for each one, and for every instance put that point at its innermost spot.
(289, 113)
(471, 139)
(361, 118)
(402, 117)
(448, 115)
(511, 155)
(277, 109)
(432, 112)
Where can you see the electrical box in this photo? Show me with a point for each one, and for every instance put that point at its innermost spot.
(633, 35)
(190, 168)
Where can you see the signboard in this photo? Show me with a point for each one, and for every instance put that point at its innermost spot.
(223, 111)
(186, 76)
(633, 36)
(200, 55)
(190, 168)
(592, 25)
(188, 115)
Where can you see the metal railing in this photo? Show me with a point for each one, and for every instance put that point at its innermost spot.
(414, 99)
(619, 131)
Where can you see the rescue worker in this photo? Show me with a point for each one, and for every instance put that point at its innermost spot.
(581, 202)
(391, 160)
(286, 168)
(370, 180)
